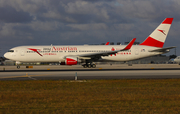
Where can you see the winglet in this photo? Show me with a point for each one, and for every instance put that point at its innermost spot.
(107, 43)
(130, 44)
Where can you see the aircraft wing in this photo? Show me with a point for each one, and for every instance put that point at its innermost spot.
(106, 53)
(162, 49)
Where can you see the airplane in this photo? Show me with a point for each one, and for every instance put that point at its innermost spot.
(177, 60)
(88, 54)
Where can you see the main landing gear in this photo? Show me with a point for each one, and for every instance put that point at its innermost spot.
(89, 65)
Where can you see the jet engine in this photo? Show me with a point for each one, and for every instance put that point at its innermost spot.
(70, 61)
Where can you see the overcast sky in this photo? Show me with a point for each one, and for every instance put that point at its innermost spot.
(77, 22)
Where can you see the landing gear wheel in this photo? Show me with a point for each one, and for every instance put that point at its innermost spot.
(18, 67)
(85, 66)
(93, 66)
(89, 65)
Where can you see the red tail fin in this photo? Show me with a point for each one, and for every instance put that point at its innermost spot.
(158, 36)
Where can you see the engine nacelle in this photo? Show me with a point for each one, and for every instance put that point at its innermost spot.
(70, 61)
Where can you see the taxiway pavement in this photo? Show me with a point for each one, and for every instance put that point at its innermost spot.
(122, 71)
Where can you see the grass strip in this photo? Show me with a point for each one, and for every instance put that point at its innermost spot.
(91, 96)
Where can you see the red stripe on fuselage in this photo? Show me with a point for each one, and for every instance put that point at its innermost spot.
(35, 50)
(167, 21)
(152, 42)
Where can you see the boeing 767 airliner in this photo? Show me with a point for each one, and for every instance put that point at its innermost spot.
(74, 54)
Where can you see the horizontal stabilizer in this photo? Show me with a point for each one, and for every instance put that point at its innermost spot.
(162, 49)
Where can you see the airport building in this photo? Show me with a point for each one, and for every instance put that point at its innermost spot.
(159, 59)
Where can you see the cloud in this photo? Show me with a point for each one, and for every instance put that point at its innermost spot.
(85, 12)
(149, 10)
(10, 15)
(83, 21)
(83, 27)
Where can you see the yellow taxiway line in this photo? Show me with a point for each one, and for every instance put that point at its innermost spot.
(24, 76)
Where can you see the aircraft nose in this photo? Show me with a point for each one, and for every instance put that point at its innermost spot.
(6, 55)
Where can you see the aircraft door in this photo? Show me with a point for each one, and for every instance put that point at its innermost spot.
(22, 52)
(137, 51)
(22, 56)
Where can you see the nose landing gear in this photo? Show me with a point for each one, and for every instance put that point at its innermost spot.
(18, 66)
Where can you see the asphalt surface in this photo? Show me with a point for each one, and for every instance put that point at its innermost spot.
(143, 71)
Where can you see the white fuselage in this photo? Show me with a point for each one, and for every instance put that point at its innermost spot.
(57, 53)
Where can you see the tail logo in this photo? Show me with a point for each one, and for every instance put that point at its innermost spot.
(113, 50)
(163, 31)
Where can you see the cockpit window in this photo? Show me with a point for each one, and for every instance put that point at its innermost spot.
(11, 51)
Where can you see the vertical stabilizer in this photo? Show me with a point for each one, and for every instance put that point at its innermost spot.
(158, 36)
